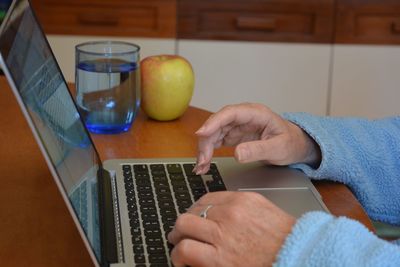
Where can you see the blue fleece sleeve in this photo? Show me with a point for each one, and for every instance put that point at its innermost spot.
(363, 154)
(320, 239)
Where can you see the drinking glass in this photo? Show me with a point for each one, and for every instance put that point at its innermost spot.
(108, 85)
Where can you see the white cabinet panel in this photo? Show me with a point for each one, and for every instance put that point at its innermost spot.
(64, 49)
(286, 77)
(366, 81)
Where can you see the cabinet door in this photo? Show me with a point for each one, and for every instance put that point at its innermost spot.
(255, 20)
(365, 81)
(286, 77)
(144, 18)
(64, 49)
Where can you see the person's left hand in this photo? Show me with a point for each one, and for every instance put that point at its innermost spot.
(241, 228)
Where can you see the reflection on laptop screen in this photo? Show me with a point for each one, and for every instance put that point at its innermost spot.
(45, 95)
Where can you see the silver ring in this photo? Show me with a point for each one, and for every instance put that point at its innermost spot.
(203, 214)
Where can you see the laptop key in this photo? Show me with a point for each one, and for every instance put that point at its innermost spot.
(182, 187)
(155, 249)
(189, 168)
(176, 177)
(174, 168)
(149, 201)
(140, 168)
(144, 209)
(152, 232)
(214, 186)
(138, 249)
(151, 224)
(157, 167)
(154, 240)
(137, 239)
(140, 258)
(163, 189)
(162, 178)
(126, 167)
(158, 258)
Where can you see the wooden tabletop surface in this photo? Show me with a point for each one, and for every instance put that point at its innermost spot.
(35, 226)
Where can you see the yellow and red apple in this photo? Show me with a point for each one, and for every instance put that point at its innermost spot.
(167, 83)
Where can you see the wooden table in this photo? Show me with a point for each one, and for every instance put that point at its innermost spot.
(35, 226)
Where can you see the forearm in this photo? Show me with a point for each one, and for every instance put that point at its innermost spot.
(320, 239)
(361, 153)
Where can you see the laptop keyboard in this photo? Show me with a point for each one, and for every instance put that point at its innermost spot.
(156, 195)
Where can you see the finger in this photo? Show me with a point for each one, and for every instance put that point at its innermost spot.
(193, 227)
(206, 146)
(232, 114)
(190, 252)
(274, 151)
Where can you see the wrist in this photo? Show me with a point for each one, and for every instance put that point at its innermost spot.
(309, 151)
(313, 155)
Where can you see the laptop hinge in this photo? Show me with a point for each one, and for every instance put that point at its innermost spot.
(117, 219)
(107, 225)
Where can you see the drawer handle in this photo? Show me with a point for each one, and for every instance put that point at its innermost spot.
(88, 19)
(252, 23)
(395, 27)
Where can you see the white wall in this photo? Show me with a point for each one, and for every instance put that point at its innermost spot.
(286, 77)
(366, 81)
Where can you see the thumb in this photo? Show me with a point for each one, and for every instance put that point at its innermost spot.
(271, 150)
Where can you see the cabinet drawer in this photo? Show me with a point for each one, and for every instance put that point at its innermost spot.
(286, 21)
(369, 22)
(115, 18)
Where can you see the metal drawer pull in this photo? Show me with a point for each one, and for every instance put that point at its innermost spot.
(94, 19)
(395, 27)
(253, 23)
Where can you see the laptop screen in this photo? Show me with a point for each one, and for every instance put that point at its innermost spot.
(42, 88)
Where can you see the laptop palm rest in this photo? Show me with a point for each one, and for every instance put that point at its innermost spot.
(295, 201)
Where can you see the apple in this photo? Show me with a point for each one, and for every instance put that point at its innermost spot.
(167, 83)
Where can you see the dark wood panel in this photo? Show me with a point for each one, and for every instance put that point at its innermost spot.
(142, 18)
(255, 20)
(368, 22)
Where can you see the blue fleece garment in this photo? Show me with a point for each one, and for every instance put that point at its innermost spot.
(363, 154)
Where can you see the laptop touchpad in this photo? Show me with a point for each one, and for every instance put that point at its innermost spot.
(295, 201)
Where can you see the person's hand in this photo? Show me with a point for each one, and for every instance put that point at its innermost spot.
(241, 228)
(259, 134)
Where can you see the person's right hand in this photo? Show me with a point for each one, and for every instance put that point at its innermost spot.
(258, 134)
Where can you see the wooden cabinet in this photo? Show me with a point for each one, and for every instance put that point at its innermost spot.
(368, 22)
(255, 20)
(143, 18)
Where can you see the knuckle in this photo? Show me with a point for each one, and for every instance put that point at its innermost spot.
(235, 214)
(256, 197)
(182, 221)
(228, 108)
(181, 251)
(249, 198)
(203, 200)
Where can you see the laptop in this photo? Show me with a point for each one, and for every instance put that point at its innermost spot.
(123, 208)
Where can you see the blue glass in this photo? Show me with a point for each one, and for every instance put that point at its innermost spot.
(108, 85)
